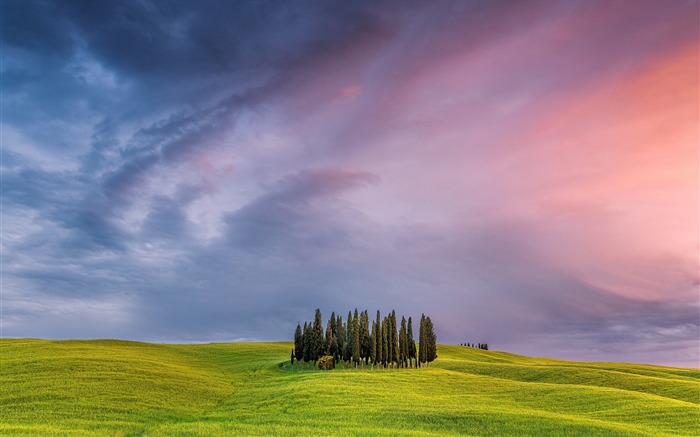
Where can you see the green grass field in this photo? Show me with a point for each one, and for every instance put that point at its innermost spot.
(108, 387)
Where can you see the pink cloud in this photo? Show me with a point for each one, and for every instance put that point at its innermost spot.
(350, 92)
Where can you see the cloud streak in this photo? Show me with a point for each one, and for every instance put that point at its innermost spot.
(524, 172)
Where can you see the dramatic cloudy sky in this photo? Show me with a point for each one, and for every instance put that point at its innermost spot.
(525, 172)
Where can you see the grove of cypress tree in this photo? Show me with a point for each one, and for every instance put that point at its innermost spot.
(386, 343)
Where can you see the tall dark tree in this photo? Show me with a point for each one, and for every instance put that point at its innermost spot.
(403, 343)
(365, 345)
(394, 340)
(411, 342)
(389, 343)
(318, 343)
(349, 339)
(373, 350)
(385, 342)
(334, 349)
(378, 339)
(329, 339)
(333, 321)
(431, 340)
(356, 346)
(422, 356)
(334, 329)
(307, 337)
(298, 343)
(340, 337)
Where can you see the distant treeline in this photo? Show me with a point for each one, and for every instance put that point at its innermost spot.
(387, 345)
(483, 346)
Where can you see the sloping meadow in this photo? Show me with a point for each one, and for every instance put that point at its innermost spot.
(109, 387)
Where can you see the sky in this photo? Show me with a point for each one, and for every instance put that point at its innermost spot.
(523, 172)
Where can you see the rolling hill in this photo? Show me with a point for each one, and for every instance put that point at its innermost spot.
(111, 387)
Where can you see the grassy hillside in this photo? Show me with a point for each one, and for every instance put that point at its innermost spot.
(124, 388)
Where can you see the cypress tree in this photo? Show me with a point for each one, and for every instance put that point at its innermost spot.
(340, 337)
(431, 339)
(334, 330)
(334, 326)
(389, 345)
(298, 343)
(329, 339)
(378, 339)
(394, 342)
(403, 343)
(421, 341)
(349, 339)
(318, 343)
(308, 343)
(356, 346)
(385, 343)
(344, 352)
(365, 339)
(411, 342)
(361, 337)
(373, 350)
(291, 360)
(335, 349)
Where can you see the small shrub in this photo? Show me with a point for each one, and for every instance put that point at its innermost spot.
(326, 362)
